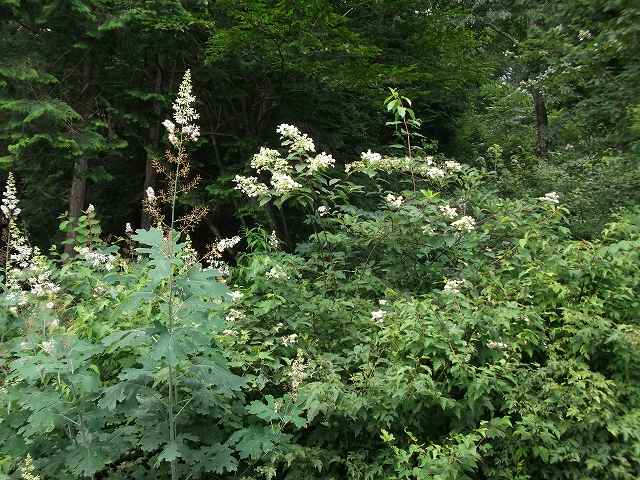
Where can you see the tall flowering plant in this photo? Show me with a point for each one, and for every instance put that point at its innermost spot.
(130, 395)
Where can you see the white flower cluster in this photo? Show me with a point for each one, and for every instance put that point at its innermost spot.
(287, 131)
(454, 286)
(27, 270)
(10, 202)
(227, 243)
(374, 161)
(323, 210)
(283, 183)
(221, 266)
(289, 339)
(236, 295)
(274, 242)
(184, 114)
(448, 212)
(97, 260)
(233, 315)
(39, 278)
(584, 35)
(435, 173)
(250, 186)
(465, 224)
(453, 166)
(551, 197)
(298, 372)
(394, 201)
(269, 160)
(48, 346)
(322, 161)
(493, 345)
(378, 316)
(296, 141)
(370, 157)
(421, 166)
(23, 252)
(27, 469)
(151, 195)
(277, 273)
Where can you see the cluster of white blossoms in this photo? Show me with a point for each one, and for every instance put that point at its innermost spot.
(378, 315)
(97, 260)
(493, 345)
(584, 35)
(269, 160)
(435, 173)
(289, 339)
(48, 346)
(370, 157)
(551, 197)
(22, 253)
(277, 273)
(40, 277)
(296, 141)
(298, 372)
(250, 186)
(28, 470)
(300, 145)
(394, 201)
(274, 242)
(374, 161)
(235, 295)
(448, 212)
(151, 195)
(322, 161)
(26, 269)
(233, 315)
(10, 202)
(464, 224)
(283, 183)
(323, 210)
(226, 243)
(421, 166)
(184, 115)
(221, 266)
(454, 286)
(453, 166)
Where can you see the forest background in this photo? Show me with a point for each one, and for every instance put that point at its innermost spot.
(542, 93)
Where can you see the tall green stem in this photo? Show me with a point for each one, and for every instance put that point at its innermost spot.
(173, 393)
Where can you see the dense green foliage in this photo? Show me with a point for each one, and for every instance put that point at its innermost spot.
(393, 315)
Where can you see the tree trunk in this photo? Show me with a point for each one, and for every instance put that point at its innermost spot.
(77, 198)
(78, 195)
(150, 175)
(542, 122)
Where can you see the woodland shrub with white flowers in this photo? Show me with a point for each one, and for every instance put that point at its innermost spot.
(425, 329)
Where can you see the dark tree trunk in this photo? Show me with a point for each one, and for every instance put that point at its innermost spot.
(542, 122)
(77, 198)
(150, 176)
(78, 194)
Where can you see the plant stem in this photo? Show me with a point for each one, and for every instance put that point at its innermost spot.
(406, 130)
(6, 254)
(173, 393)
